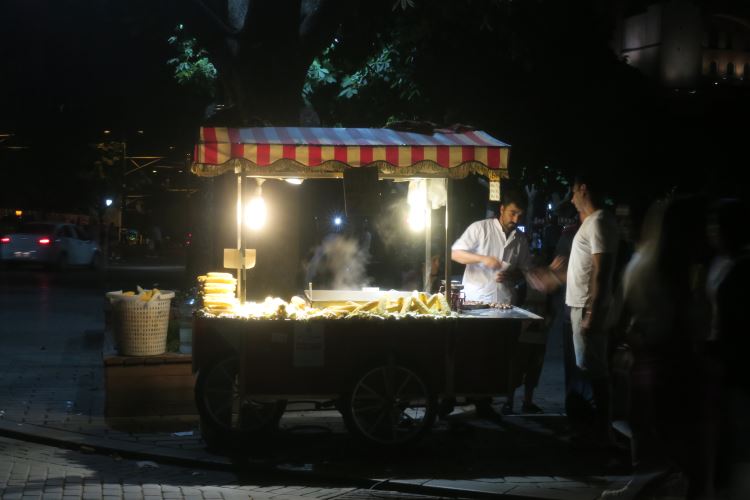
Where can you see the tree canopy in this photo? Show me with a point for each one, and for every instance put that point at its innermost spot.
(537, 74)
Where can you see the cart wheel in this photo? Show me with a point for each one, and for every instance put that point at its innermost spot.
(390, 405)
(225, 418)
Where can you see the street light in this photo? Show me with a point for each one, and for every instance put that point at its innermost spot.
(108, 202)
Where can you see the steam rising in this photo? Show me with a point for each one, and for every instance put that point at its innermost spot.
(391, 227)
(339, 262)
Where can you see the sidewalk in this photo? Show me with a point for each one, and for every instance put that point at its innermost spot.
(54, 394)
(449, 463)
(60, 402)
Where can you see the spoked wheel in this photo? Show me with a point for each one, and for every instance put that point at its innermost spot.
(390, 405)
(227, 419)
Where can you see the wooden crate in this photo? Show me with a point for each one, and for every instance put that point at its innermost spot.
(141, 386)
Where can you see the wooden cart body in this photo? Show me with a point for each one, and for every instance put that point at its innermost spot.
(425, 362)
(290, 359)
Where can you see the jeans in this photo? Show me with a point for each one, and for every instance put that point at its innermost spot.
(590, 349)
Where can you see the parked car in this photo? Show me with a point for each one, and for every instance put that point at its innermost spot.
(53, 244)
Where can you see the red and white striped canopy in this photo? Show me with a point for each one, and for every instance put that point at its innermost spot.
(325, 152)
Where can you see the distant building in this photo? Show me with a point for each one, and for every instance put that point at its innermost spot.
(684, 44)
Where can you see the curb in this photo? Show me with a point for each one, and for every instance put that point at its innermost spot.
(92, 444)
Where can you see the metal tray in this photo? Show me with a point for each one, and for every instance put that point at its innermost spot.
(471, 307)
(329, 297)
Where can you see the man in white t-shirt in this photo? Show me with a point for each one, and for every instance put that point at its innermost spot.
(495, 252)
(589, 290)
(590, 270)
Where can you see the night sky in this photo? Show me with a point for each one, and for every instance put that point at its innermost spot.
(72, 69)
(84, 64)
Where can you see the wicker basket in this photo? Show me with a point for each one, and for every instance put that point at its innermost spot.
(140, 327)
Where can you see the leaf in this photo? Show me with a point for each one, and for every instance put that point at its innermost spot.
(404, 4)
(192, 64)
(348, 92)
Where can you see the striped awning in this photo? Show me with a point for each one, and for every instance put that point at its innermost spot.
(326, 152)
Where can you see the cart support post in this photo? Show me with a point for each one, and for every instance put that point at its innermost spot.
(427, 247)
(450, 338)
(448, 191)
(240, 238)
(242, 360)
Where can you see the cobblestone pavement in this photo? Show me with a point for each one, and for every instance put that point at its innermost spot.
(29, 470)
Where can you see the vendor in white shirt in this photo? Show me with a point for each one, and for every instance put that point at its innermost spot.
(495, 252)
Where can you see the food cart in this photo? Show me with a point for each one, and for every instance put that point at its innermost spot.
(386, 372)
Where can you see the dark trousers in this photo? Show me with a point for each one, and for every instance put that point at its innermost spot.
(526, 365)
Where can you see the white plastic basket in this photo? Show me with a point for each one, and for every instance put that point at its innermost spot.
(140, 327)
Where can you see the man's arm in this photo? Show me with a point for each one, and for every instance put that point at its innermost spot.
(602, 264)
(550, 278)
(466, 257)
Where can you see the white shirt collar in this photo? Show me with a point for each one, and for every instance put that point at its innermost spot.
(508, 237)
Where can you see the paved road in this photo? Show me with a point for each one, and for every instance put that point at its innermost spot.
(29, 470)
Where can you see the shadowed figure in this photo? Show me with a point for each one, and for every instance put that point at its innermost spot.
(728, 342)
(671, 412)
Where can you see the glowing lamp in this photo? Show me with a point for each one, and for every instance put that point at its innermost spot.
(255, 213)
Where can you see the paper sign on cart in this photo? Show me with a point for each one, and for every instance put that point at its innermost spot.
(232, 258)
(309, 345)
(494, 190)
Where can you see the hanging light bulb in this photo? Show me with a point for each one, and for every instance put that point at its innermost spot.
(255, 210)
(417, 201)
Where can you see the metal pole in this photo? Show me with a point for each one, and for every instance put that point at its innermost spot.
(124, 190)
(240, 239)
(452, 329)
(427, 247)
(242, 369)
(448, 190)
